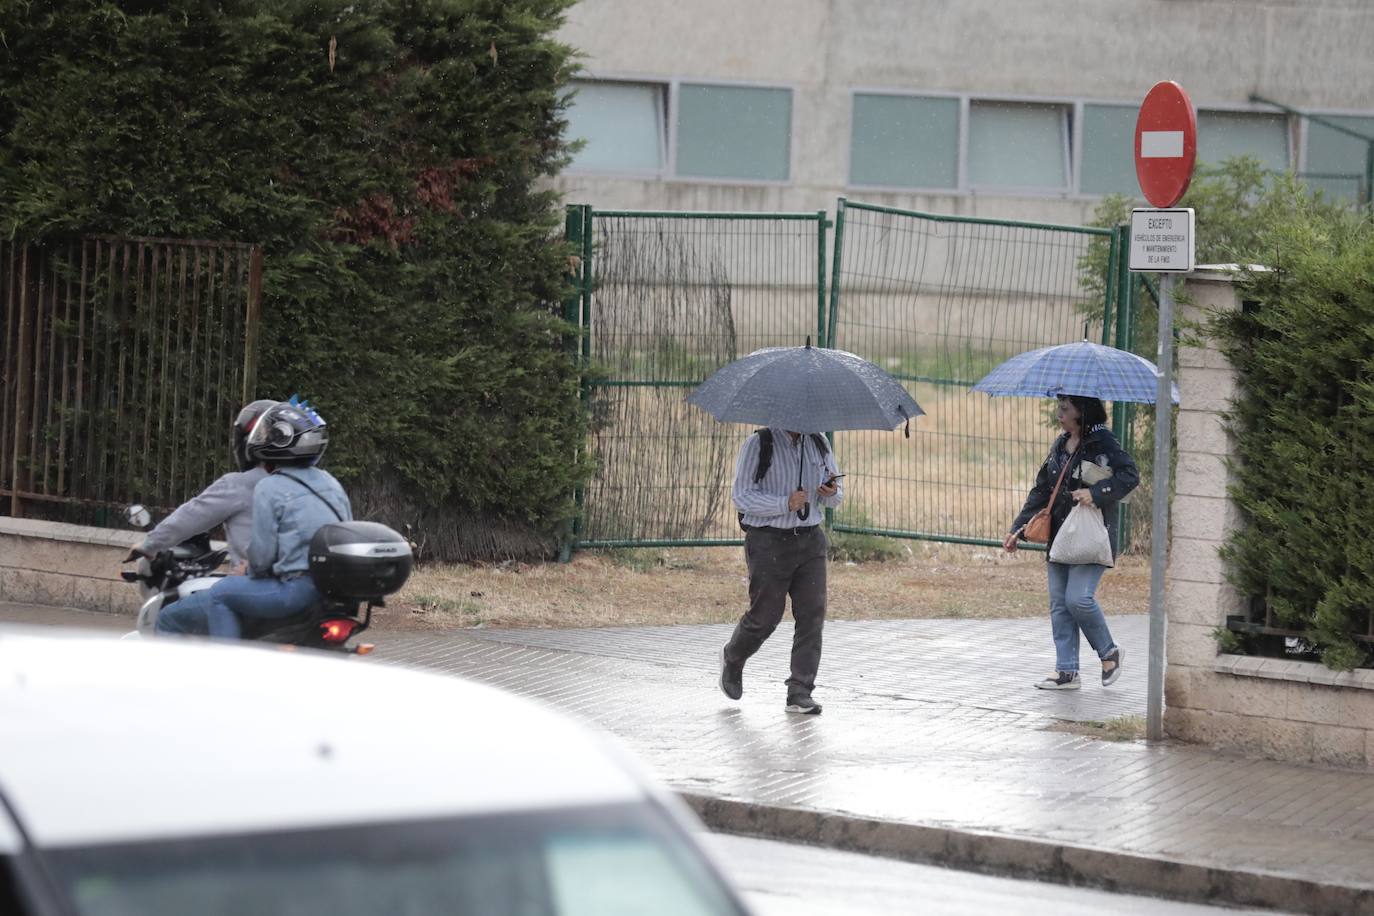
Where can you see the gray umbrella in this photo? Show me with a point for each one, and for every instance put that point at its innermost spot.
(806, 390)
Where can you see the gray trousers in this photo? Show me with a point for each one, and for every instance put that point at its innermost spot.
(780, 564)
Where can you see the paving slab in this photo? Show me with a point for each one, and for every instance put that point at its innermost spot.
(934, 746)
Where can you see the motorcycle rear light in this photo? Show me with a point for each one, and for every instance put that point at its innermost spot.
(337, 630)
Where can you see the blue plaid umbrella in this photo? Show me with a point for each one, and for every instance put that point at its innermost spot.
(1084, 369)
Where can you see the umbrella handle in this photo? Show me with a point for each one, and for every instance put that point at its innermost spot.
(804, 512)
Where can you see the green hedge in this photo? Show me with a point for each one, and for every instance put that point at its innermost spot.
(1304, 421)
(391, 157)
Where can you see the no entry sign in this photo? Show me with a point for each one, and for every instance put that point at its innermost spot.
(1165, 143)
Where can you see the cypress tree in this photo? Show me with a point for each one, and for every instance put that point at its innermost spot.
(391, 157)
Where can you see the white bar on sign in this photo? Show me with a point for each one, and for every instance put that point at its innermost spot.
(1161, 144)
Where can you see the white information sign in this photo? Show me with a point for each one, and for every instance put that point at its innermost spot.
(1163, 240)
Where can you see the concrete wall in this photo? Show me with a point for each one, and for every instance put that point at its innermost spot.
(1311, 54)
(1292, 710)
(66, 565)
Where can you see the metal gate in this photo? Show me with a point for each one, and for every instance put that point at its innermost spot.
(666, 298)
(938, 301)
(123, 361)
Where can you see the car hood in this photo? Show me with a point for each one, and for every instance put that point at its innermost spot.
(105, 740)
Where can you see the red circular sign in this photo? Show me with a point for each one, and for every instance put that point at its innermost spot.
(1165, 143)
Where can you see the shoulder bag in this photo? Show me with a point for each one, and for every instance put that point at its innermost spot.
(1037, 530)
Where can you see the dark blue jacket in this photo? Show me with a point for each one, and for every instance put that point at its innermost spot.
(1100, 447)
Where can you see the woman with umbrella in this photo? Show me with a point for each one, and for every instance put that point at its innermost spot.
(1084, 452)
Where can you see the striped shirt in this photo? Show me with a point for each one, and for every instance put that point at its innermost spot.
(764, 504)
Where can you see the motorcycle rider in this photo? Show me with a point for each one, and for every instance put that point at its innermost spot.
(289, 506)
(228, 501)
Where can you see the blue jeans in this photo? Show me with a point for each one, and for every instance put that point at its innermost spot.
(215, 612)
(1074, 607)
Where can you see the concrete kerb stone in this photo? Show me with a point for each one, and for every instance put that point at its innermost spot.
(1031, 858)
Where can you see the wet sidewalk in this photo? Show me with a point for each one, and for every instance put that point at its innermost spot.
(934, 746)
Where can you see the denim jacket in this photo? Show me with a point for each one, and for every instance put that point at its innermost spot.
(286, 516)
(1101, 448)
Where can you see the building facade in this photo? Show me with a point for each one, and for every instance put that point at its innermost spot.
(994, 108)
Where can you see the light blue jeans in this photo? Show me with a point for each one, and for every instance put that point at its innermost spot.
(215, 611)
(1074, 608)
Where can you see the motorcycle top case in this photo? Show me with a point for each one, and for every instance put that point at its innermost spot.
(359, 561)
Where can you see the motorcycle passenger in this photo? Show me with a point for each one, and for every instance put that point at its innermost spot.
(228, 501)
(289, 506)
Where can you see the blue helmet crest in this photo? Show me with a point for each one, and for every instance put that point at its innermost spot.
(303, 405)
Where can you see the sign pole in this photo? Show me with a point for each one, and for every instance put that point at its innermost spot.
(1163, 240)
(1159, 524)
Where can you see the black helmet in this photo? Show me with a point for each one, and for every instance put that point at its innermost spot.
(243, 425)
(289, 434)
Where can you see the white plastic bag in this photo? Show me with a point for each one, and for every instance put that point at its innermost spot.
(1082, 538)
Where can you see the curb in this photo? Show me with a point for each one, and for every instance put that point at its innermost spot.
(1024, 857)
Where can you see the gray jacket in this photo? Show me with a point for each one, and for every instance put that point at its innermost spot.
(228, 502)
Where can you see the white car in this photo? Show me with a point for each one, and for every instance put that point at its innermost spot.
(173, 777)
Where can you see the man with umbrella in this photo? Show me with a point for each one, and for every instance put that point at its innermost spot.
(797, 393)
(785, 552)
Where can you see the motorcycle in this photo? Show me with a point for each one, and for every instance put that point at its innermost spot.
(355, 566)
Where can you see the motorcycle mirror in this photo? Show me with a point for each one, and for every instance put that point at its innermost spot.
(138, 516)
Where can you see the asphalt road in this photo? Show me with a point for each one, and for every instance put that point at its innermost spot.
(783, 879)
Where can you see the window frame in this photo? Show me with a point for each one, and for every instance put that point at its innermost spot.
(1290, 144)
(1295, 135)
(1304, 124)
(1080, 104)
(1072, 152)
(960, 141)
(1070, 126)
(679, 81)
(671, 87)
(665, 125)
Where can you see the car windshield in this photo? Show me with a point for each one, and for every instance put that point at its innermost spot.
(606, 861)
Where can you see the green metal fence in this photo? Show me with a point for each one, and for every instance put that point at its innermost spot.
(666, 299)
(938, 301)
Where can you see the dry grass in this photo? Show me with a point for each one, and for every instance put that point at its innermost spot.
(964, 471)
(1122, 728)
(707, 585)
